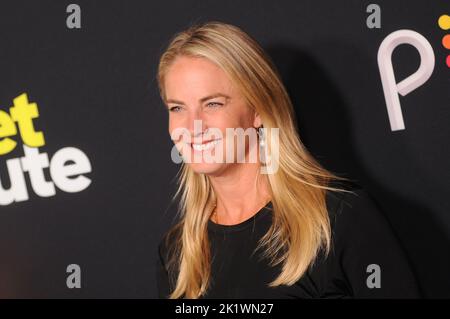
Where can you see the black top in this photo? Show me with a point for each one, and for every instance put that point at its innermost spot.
(361, 237)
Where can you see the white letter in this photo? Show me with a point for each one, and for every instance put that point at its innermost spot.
(34, 163)
(390, 87)
(374, 19)
(374, 280)
(60, 172)
(74, 279)
(73, 20)
(18, 190)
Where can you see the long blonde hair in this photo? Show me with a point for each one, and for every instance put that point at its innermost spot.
(301, 225)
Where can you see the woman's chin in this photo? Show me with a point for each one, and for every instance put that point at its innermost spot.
(207, 168)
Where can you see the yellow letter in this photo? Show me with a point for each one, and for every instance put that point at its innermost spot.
(23, 113)
(7, 128)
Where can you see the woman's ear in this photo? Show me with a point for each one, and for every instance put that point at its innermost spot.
(257, 122)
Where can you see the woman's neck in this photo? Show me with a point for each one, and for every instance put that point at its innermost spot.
(240, 193)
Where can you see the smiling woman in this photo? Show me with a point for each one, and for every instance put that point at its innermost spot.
(293, 232)
(210, 98)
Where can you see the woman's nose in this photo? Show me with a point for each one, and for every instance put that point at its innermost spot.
(195, 123)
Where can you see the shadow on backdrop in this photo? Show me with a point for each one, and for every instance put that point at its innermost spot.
(325, 127)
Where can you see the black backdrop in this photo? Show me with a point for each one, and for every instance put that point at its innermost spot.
(95, 91)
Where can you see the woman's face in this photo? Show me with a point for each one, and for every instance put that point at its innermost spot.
(197, 89)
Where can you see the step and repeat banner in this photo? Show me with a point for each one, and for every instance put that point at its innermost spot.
(85, 165)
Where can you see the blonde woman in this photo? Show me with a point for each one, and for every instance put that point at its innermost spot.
(245, 232)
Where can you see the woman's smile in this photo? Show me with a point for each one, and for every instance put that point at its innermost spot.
(205, 145)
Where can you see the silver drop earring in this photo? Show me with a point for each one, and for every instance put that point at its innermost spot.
(262, 144)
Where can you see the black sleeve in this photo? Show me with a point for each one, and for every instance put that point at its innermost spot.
(162, 275)
(367, 260)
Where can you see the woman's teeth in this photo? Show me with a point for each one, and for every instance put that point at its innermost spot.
(204, 147)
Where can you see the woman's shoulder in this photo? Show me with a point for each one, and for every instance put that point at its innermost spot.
(358, 223)
(353, 207)
(356, 215)
(366, 257)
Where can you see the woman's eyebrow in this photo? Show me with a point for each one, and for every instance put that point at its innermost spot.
(203, 99)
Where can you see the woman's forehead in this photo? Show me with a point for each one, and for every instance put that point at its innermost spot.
(197, 79)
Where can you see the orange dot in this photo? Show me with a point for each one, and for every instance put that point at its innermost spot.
(446, 41)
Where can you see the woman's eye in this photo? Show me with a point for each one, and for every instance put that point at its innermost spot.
(214, 104)
(174, 109)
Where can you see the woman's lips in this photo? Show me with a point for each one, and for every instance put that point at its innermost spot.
(205, 145)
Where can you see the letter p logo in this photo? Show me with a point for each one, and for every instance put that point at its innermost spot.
(390, 87)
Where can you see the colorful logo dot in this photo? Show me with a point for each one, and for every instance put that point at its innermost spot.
(446, 41)
(444, 24)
